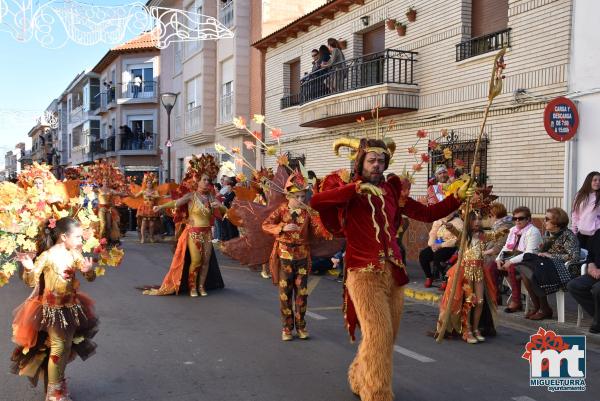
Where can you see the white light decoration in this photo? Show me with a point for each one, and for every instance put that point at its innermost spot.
(48, 120)
(54, 23)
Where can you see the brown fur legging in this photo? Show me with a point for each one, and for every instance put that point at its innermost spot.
(379, 303)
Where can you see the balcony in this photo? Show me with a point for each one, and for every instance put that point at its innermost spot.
(137, 144)
(226, 109)
(483, 44)
(193, 129)
(226, 14)
(352, 88)
(193, 120)
(104, 101)
(141, 92)
(101, 146)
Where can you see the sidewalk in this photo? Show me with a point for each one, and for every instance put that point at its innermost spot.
(416, 291)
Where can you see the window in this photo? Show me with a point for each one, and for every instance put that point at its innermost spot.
(194, 8)
(294, 80)
(139, 135)
(141, 82)
(489, 29)
(488, 16)
(226, 101)
(226, 12)
(193, 93)
(463, 148)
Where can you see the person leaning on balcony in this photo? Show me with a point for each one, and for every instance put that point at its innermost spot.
(440, 246)
(523, 238)
(586, 289)
(585, 217)
(548, 272)
(337, 57)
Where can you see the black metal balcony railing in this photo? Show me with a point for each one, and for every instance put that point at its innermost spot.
(103, 145)
(387, 67)
(483, 44)
(103, 99)
(140, 90)
(139, 141)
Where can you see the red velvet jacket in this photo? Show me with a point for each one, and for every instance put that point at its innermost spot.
(370, 225)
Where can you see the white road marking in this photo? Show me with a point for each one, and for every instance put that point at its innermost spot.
(522, 398)
(315, 316)
(412, 354)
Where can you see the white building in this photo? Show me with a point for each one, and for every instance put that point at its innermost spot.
(584, 90)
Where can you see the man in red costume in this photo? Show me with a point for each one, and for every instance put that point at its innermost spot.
(364, 209)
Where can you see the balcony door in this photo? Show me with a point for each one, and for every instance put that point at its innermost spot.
(140, 135)
(372, 65)
(141, 83)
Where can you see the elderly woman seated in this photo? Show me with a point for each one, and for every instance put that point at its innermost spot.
(547, 272)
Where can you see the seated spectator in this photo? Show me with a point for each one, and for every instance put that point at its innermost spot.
(523, 238)
(500, 221)
(586, 289)
(546, 272)
(442, 244)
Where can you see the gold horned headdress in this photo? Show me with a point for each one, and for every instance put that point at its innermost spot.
(359, 147)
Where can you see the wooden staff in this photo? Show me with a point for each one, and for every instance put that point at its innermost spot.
(494, 90)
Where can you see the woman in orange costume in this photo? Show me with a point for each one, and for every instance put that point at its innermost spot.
(145, 211)
(200, 207)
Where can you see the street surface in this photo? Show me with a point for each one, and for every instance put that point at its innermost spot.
(227, 346)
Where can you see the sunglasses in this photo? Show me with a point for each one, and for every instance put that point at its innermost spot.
(519, 218)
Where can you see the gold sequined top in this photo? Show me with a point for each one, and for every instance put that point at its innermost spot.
(60, 283)
(200, 212)
(104, 198)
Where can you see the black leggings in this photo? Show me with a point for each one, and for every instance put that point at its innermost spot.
(427, 256)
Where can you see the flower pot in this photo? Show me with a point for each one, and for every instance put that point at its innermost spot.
(411, 15)
(401, 30)
(390, 24)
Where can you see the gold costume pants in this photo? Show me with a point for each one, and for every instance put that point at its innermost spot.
(379, 303)
(200, 248)
(60, 351)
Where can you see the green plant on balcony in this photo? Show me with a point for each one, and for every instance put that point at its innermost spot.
(400, 28)
(411, 14)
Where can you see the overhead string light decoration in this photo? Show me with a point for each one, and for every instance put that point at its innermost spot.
(55, 23)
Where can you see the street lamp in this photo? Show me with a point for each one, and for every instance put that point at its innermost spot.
(168, 100)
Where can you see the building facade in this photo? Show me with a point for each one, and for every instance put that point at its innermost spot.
(216, 80)
(434, 77)
(126, 106)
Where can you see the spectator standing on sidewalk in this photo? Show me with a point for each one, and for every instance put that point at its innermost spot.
(585, 217)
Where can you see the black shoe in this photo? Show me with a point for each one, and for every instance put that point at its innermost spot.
(595, 329)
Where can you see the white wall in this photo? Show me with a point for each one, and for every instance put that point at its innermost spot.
(584, 77)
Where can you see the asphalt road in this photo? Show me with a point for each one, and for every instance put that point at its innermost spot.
(227, 346)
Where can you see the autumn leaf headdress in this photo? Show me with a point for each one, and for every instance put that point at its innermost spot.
(36, 170)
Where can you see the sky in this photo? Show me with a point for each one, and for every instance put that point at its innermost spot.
(31, 76)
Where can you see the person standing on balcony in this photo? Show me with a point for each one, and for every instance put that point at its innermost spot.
(585, 216)
(337, 75)
(137, 86)
(318, 87)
